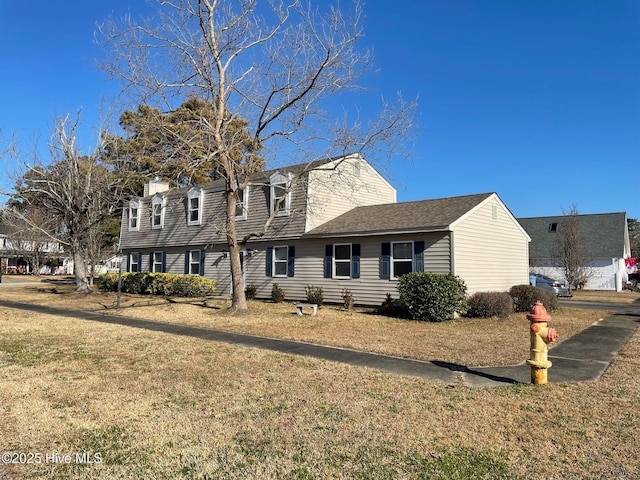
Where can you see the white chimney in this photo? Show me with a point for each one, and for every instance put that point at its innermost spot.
(154, 186)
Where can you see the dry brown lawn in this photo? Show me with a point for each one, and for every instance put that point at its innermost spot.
(626, 296)
(504, 341)
(155, 405)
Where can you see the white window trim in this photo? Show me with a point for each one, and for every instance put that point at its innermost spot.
(286, 262)
(279, 180)
(191, 262)
(393, 260)
(157, 200)
(154, 263)
(244, 204)
(135, 255)
(199, 194)
(134, 204)
(334, 260)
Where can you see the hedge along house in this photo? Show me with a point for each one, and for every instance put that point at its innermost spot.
(605, 240)
(338, 227)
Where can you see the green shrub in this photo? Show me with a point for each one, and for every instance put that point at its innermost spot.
(490, 304)
(314, 295)
(164, 284)
(525, 296)
(108, 282)
(347, 299)
(432, 297)
(250, 292)
(277, 294)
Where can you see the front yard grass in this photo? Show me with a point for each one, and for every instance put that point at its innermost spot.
(484, 342)
(155, 405)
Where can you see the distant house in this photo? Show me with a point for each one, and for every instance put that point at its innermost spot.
(337, 226)
(605, 239)
(18, 254)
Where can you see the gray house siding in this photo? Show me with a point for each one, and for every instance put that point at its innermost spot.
(176, 231)
(369, 289)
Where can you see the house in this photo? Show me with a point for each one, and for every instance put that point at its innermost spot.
(337, 225)
(605, 240)
(19, 253)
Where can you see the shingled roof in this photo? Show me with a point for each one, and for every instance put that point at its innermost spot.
(404, 217)
(603, 234)
(261, 176)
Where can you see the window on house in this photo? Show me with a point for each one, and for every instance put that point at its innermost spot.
(242, 204)
(280, 257)
(280, 261)
(194, 207)
(195, 262)
(280, 194)
(342, 261)
(553, 227)
(157, 220)
(134, 262)
(157, 262)
(194, 210)
(134, 216)
(401, 258)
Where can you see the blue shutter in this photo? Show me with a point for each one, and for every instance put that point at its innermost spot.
(291, 261)
(186, 261)
(269, 264)
(328, 257)
(164, 262)
(418, 255)
(355, 260)
(385, 261)
(202, 262)
(151, 262)
(128, 269)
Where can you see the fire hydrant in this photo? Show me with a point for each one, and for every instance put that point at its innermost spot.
(541, 336)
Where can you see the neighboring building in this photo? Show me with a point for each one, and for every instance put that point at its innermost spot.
(17, 253)
(338, 227)
(605, 240)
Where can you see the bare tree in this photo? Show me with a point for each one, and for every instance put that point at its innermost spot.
(569, 252)
(76, 192)
(273, 65)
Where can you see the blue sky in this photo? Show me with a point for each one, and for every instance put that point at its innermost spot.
(537, 100)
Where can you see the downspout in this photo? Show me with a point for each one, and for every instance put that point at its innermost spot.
(451, 253)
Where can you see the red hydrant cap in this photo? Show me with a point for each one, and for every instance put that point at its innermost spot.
(538, 313)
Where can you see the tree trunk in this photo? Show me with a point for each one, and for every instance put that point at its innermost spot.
(80, 272)
(238, 299)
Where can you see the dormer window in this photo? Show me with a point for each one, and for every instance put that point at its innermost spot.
(194, 206)
(134, 216)
(280, 194)
(553, 227)
(242, 203)
(157, 207)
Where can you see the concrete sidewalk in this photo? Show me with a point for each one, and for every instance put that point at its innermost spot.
(583, 357)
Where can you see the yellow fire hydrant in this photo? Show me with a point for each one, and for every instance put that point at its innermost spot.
(541, 335)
